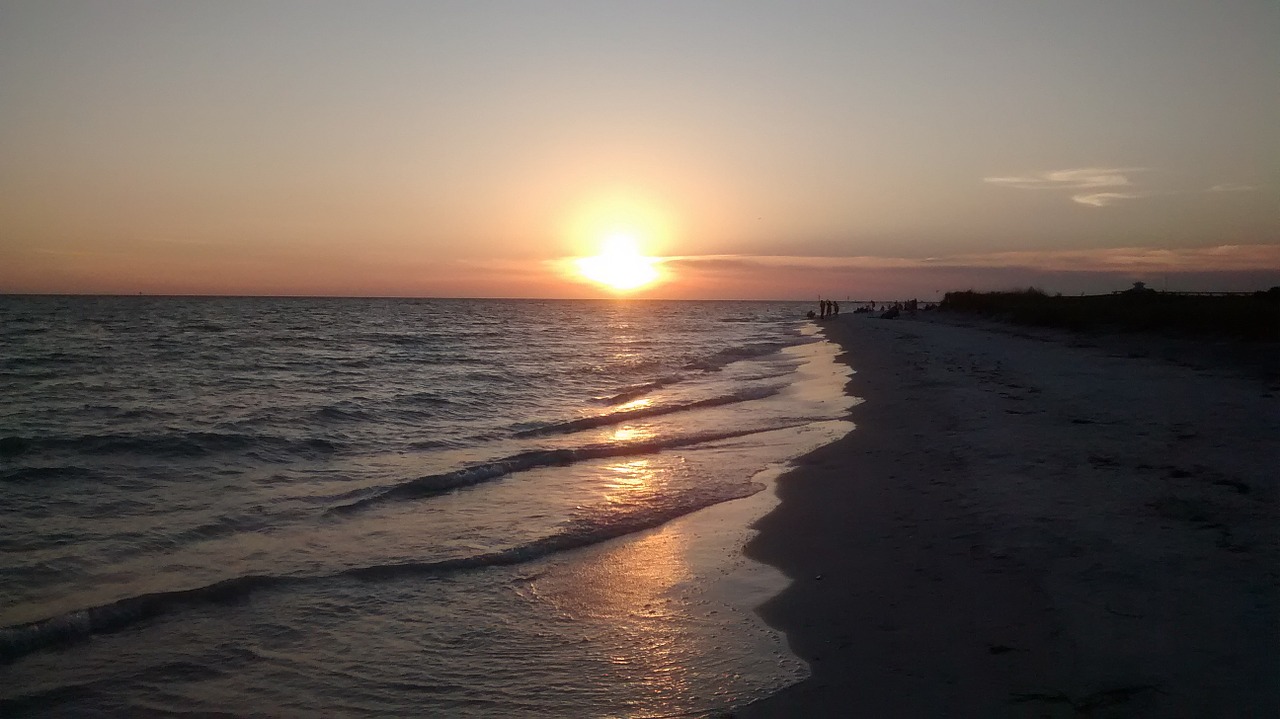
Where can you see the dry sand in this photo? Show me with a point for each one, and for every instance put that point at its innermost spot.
(1031, 524)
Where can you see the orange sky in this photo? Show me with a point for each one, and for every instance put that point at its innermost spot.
(879, 149)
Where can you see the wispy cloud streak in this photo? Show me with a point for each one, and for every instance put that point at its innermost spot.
(1078, 179)
(1104, 180)
(1103, 199)
(1122, 259)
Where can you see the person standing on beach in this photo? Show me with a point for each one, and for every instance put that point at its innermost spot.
(835, 308)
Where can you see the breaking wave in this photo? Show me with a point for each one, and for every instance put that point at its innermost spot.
(24, 639)
(435, 484)
(729, 355)
(604, 420)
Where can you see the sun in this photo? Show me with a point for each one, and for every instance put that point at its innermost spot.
(619, 266)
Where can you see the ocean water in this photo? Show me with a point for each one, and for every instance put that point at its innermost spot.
(388, 507)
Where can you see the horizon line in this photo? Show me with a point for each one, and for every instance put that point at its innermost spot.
(819, 296)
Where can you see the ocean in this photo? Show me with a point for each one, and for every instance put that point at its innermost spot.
(289, 507)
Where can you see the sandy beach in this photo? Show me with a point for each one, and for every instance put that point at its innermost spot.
(1030, 523)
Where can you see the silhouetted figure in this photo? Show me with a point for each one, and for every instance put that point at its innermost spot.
(835, 307)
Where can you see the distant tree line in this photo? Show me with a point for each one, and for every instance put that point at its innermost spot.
(1249, 316)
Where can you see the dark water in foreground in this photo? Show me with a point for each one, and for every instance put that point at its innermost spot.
(297, 507)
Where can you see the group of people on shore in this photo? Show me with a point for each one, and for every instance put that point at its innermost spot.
(889, 310)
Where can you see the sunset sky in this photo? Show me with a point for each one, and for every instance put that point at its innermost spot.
(758, 149)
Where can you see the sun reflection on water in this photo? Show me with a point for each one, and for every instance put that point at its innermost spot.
(635, 404)
(631, 592)
(629, 483)
(631, 433)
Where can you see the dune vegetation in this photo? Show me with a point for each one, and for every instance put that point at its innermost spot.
(1249, 316)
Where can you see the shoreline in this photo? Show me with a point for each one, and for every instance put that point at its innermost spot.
(1026, 525)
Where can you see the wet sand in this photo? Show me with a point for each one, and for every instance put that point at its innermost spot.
(1032, 524)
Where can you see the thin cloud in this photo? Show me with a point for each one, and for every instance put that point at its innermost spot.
(1224, 267)
(72, 253)
(1104, 199)
(1106, 183)
(1120, 259)
(1084, 178)
(785, 262)
(1125, 259)
(184, 241)
(1231, 187)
